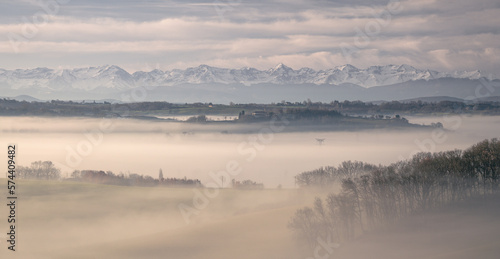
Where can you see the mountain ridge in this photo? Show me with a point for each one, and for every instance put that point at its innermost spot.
(114, 77)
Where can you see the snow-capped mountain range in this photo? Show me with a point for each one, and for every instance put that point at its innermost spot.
(113, 77)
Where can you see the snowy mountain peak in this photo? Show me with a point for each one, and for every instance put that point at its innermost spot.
(405, 67)
(281, 66)
(347, 68)
(114, 77)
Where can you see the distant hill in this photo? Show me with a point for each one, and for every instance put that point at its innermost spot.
(23, 97)
(433, 99)
(489, 99)
(28, 98)
(467, 89)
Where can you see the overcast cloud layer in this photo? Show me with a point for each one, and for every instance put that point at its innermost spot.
(442, 35)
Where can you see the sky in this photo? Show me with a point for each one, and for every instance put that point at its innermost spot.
(443, 35)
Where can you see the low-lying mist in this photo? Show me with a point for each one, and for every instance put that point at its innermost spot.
(195, 150)
(65, 219)
(78, 220)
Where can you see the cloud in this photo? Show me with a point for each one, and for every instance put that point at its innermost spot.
(442, 35)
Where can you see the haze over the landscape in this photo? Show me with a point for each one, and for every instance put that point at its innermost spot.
(225, 129)
(151, 146)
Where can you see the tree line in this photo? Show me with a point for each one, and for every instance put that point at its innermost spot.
(324, 177)
(375, 196)
(46, 170)
(108, 177)
(11, 107)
